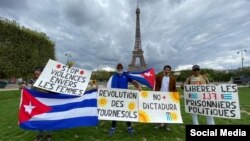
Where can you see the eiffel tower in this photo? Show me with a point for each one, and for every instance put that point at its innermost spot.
(138, 52)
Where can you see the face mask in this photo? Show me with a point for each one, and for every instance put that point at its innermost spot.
(120, 72)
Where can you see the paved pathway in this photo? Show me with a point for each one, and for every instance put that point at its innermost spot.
(10, 87)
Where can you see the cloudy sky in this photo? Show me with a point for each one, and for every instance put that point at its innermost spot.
(101, 33)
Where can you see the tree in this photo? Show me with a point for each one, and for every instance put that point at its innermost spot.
(22, 50)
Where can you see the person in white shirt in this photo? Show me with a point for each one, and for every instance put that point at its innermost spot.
(165, 83)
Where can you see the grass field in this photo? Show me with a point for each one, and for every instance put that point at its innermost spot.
(10, 131)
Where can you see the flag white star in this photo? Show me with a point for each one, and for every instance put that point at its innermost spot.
(148, 74)
(29, 108)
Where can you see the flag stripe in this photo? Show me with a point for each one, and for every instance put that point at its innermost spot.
(139, 79)
(60, 124)
(109, 82)
(65, 107)
(146, 78)
(77, 112)
(137, 75)
(53, 102)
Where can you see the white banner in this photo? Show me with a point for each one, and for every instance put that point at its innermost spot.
(212, 100)
(118, 104)
(159, 107)
(58, 77)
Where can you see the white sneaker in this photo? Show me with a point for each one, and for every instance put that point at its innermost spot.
(159, 126)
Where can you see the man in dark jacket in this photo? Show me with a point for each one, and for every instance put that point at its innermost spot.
(165, 83)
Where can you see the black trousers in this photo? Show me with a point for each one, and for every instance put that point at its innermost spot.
(114, 124)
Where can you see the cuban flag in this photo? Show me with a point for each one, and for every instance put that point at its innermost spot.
(146, 77)
(47, 111)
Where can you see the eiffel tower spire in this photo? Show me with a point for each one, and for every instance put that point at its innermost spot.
(138, 52)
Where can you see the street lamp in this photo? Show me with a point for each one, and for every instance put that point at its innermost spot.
(68, 55)
(242, 57)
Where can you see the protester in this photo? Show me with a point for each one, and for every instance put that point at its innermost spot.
(23, 85)
(120, 80)
(40, 133)
(165, 82)
(197, 79)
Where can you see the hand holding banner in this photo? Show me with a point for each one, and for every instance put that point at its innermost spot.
(60, 78)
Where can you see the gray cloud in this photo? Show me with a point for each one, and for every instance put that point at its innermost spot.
(13, 4)
(101, 33)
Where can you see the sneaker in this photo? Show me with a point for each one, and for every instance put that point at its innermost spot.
(38, 138)
(167, 128)
(48, 137)
(159, 126)
(111, 131)
(131, 131)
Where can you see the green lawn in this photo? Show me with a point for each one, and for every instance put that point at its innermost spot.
(10, 131)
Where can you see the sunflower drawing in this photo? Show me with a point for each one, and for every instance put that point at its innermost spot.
(131, 106)
(102, 102)
(143, 116)
(144, 94)
(174, 116)
(175, 97)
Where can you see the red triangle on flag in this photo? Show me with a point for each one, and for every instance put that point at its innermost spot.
(30, 106)
(150, 76)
